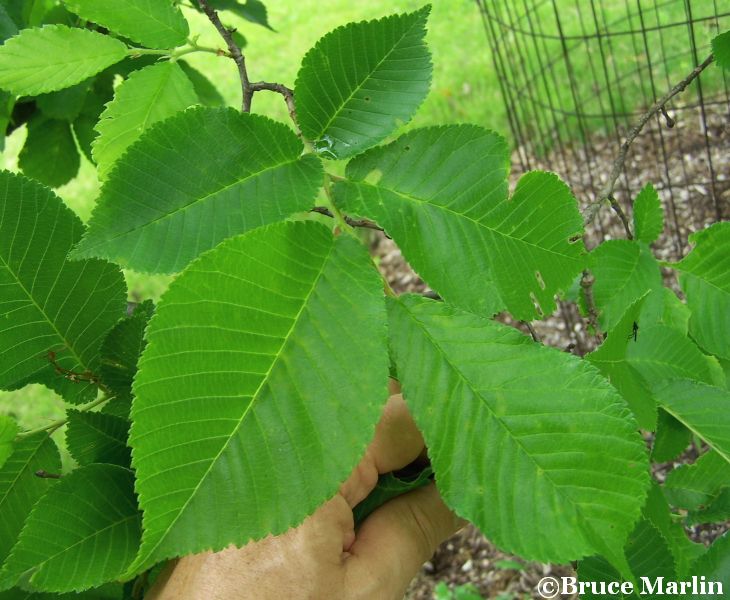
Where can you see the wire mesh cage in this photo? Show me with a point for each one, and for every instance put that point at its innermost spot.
(576, 76)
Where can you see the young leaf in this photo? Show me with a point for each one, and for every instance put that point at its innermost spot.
(147, 96)
(624, 271)
(20, 488)
(8, 431)
(121, 350)
(705, 281)
(517, 433)
(50, 304)
(441, 193)
(55, 57)
(721, 49)
(690, 486)
(701, 407)
(170, 199)
(82, 533)
(94, 437)
(361, 81)
(49, 154)
(264, 375)
(152, 23)
(648, 215)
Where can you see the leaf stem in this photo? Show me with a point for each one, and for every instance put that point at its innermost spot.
(340, 219)
(52, 427)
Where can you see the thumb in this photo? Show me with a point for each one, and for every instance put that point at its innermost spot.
(397, 539)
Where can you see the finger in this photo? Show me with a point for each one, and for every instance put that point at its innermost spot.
(398, 538)
(397, 443)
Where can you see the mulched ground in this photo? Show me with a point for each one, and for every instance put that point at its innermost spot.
(468, 557)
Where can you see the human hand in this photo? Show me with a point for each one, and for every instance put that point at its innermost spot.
(325, 558)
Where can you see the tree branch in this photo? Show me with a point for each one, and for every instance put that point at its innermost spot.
(586, 282)
(288, 94)
(236, 54)
(618, 165)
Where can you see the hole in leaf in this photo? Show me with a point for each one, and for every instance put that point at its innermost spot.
(540, 280)
(367, 98)
(575, 238)
(536, 304)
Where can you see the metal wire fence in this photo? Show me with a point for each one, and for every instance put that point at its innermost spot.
(576, 75)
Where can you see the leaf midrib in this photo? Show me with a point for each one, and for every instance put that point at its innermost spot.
(359, 86)
(42, 311)
(558, 489)
(182, 209)
(83, 540)
(254, 396)
(446, 209)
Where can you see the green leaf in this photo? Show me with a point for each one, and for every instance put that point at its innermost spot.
(702, 408)
(676, 313)
(8, 27)
(610, 358)
(360, 82)
(517, 433)
(55, 57)
(82, 533)
(49, 154)
(111, 591)
(152, 23)
(168, 199)
(49, 304)
(65, 104)
(121, 350)
(251, 10)
(714, 565)
(8, 431)
(684, 550)
(147, 96)
(239, 399)
(648, 554)
(648, 215)
(20, 488)
(624, 271)
(718, 510)
(691, 486)
(208, 94)
(705, 281)
(661, 353)
(94, 437)
(671, 439)
(85, 124)
(441, 193)
(721, 50)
